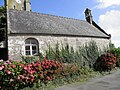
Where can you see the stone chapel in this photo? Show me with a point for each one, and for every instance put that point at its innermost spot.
(30, 32)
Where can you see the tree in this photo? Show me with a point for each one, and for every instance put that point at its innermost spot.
(2, 23)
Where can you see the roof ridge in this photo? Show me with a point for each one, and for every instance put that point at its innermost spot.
(50, 15)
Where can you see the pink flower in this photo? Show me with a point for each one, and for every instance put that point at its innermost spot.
(8, 61)
(1, 60)
(8, 72)
(18, 78)
(22, 77)
(18, 60)
(1, 68)
(11, 80)
(40, 75)
(25, 68)
(5, 63)
(27, 78)
(29, 65)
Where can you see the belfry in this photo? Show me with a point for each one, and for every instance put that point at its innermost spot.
(19, 5)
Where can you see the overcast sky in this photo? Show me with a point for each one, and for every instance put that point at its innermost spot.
(106, 13)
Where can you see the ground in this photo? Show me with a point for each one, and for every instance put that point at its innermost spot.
(109, 82)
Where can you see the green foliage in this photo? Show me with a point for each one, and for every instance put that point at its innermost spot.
(85, 56)
(50, 53)
(2, 23)
(40, 55)
(90, 53)
(29, 59)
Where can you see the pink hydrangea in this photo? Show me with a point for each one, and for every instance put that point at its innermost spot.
(8, 72)
(1, 60)
(1, 68)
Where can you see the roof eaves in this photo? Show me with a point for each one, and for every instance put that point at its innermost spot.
(100, 29)
(67, 35)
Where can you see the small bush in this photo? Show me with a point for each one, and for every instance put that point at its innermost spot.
(116, 52)
(105, 62)
(70, 69)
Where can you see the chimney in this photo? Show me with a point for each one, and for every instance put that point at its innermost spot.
(88, 16)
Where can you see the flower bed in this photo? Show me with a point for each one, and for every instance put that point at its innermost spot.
(18, 74)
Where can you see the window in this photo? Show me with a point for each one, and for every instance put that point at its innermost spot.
(31, 47)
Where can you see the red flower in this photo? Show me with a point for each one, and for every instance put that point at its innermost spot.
(40, 75)
(29, 65)
(55, 71)
(47, 67)
(48, 78)
(13, 65)
(22, 65)
(45, 72)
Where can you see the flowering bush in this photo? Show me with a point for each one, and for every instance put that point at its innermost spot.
(116, 52)
(50, 67)
(15, 75)
(8, 73)
(106, 61)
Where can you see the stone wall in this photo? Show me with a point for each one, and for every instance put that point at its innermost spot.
(16, 43)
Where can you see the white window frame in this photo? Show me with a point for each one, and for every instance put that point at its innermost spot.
(30, 45)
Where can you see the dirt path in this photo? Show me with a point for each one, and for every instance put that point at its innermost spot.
(109, 82)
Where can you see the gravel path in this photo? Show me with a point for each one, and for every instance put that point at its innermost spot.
(109, 82)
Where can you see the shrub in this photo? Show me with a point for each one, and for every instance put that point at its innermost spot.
(84, 56)
(105, 62)
(29, 59)
(70, 69)
(17, 75)
(51, 68)
(9, 70)
(116, 52)
(90, 53)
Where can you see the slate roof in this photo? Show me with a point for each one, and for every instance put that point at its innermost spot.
(37, 23)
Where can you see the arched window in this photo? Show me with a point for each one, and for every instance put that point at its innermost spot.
(31, 46)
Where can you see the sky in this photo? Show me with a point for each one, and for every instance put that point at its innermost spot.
(106, 13)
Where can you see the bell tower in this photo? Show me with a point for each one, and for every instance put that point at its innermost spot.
(19, 5)
(88, 16)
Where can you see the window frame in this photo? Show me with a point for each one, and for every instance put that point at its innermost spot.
(31, 42)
